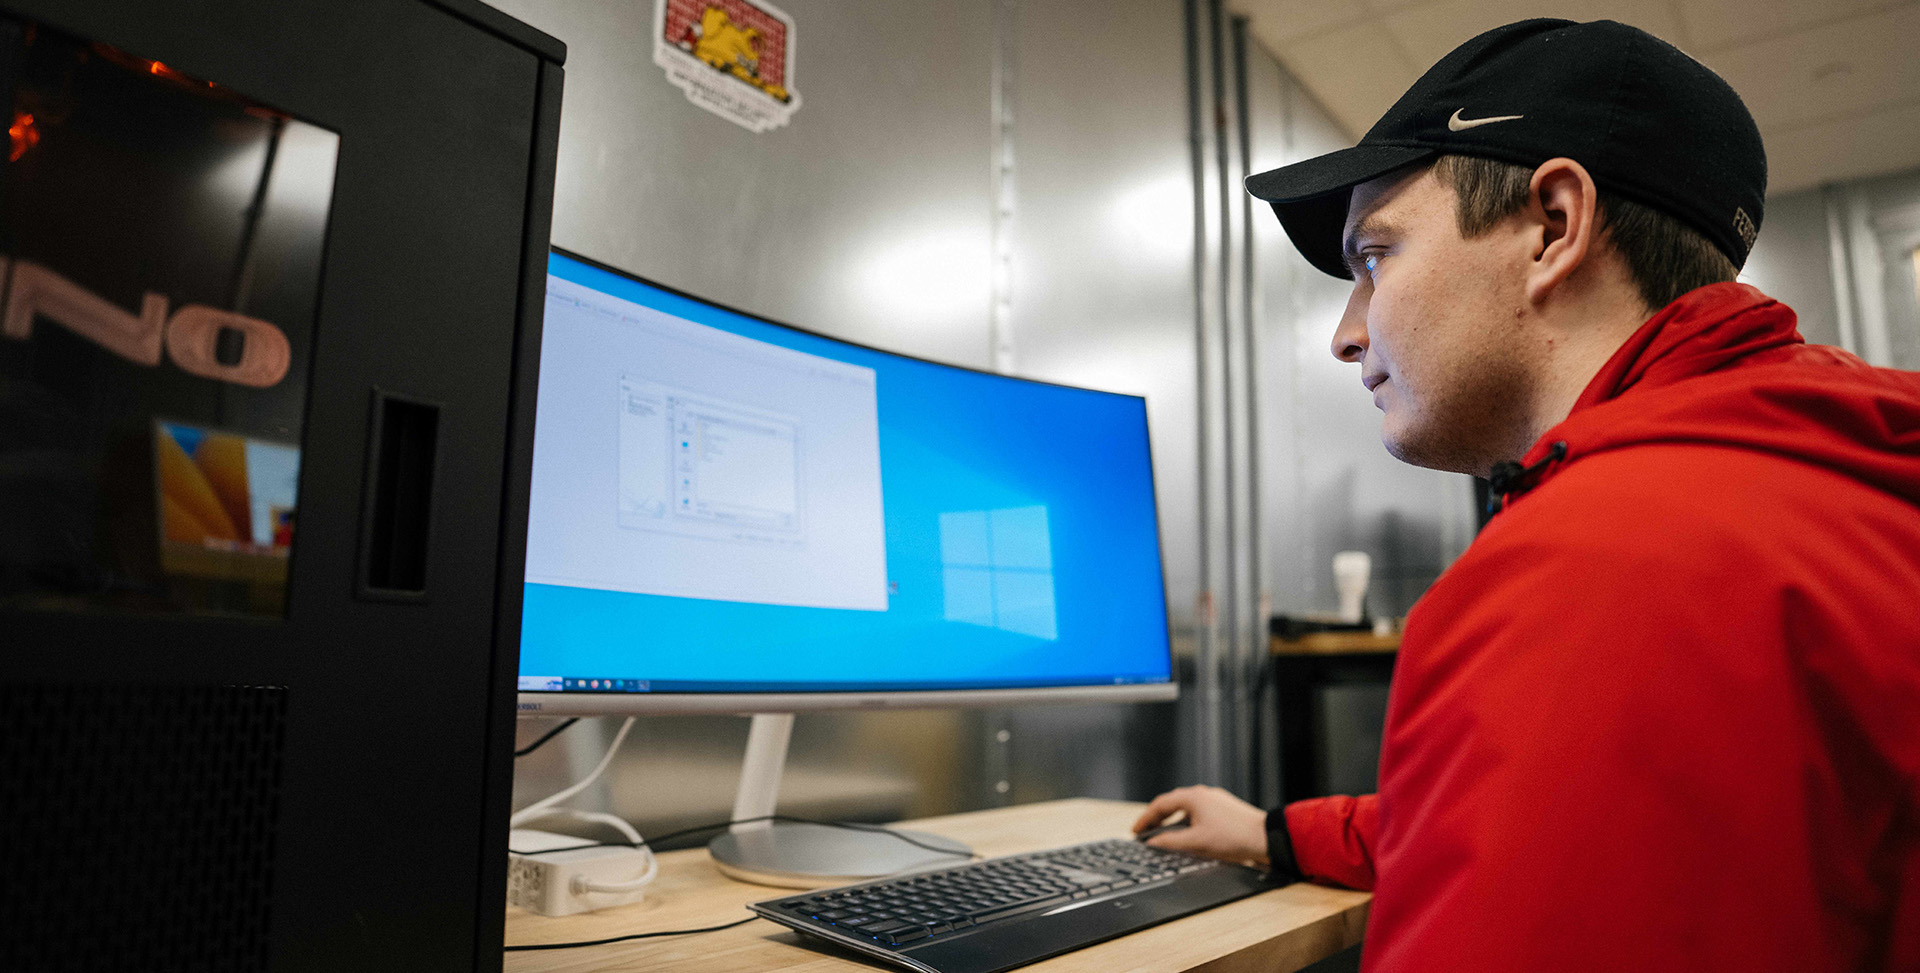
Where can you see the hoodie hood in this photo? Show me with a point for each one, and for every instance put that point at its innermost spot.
(1726, 365)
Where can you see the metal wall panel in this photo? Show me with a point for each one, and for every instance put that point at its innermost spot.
(1275, 286)
(1326, 483)
(870, 217)
(1102, 297)
(865, 218)
(1329, 483)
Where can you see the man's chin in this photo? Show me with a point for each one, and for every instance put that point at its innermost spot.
(1430, 452)
(1400, 450)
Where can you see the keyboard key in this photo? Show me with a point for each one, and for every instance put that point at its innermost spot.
(908, 935)
(885, 927)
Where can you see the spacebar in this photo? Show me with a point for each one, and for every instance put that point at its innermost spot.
(1017, 941)
(1017, 909)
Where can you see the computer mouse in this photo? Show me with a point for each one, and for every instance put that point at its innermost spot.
(1162, 829)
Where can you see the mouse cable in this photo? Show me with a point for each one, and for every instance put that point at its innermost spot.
(550, 734)
(716, 826)
(622, 939)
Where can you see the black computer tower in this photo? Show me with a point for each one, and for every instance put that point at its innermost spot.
(272, 275)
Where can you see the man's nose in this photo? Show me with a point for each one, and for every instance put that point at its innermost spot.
(1350, 338)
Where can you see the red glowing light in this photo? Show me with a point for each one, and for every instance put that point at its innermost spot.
(23, 134)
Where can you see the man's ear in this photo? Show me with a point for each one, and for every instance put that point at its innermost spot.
(1564, 203)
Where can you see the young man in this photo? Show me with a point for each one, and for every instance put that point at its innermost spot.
(1665, 713)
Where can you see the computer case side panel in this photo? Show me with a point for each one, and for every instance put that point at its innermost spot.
(289, 742)
(513, 520)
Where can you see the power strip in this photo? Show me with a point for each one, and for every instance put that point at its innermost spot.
(557, 883)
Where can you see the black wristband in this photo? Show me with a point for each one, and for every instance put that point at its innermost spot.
(1281, 866)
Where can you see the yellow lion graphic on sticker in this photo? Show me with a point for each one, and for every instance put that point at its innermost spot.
(726, 46)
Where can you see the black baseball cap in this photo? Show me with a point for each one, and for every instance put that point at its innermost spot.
(1648, 122)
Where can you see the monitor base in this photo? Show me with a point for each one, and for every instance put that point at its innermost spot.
(796, 855)
(805, 856)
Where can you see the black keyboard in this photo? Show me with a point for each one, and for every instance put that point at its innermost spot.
(1001, 913)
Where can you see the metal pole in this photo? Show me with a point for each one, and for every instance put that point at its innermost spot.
(1840, 257)
(1255, 659)
(996, 725)
(1233, 762)
(766, 758)
(1206, 669)
(1006, 38)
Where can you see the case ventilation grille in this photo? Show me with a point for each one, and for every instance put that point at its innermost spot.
(138, 826)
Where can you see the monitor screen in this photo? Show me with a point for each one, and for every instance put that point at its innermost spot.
(725, 505)
(224, 502)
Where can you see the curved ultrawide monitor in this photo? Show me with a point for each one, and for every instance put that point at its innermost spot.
(732, 515)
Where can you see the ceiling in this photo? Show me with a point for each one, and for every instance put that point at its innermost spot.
(1833, 84)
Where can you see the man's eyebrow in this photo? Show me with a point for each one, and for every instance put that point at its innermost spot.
(1369, 227)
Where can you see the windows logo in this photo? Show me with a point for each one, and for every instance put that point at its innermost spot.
(998, 570)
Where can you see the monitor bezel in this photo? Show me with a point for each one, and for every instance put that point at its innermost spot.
(563, 703)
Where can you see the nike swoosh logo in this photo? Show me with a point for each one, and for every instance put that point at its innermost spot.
(1458, 124)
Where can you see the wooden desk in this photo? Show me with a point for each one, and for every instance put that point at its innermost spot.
(1335, 643)
(1277, 931)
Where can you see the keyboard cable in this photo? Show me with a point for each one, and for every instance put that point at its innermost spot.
(622, 939)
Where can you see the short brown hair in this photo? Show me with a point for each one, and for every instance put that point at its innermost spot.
(1665, 257)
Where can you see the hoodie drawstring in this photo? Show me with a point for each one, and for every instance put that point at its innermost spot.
(1508, 477)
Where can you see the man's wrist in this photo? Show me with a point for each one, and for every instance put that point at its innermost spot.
(1281, 866)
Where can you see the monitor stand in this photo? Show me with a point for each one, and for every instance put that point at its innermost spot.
(804, 856)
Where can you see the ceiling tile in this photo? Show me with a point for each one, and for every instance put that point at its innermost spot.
(1869, 145)
(1838, 69)
(1356, 73)
(1281, 21)
(1430, 30)
(1834, 84)
(1381, 7)
(1713, 24)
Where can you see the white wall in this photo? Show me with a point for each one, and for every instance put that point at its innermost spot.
(1790, 262)
(1872, 308)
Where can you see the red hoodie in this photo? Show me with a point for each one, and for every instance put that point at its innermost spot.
(1665, 713)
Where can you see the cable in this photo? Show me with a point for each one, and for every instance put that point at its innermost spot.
(683, 832)
(581, 886)
(544, 737)
(617, 823)
(533, 810)
(638, 935)
(545, 808)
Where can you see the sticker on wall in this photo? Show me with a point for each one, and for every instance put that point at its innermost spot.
(732, 57)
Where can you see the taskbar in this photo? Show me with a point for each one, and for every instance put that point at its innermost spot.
(593, 684)
(573, 684)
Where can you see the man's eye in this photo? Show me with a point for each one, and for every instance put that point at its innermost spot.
(1370, 261)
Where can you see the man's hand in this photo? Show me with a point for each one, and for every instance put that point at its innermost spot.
(1219, 825)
